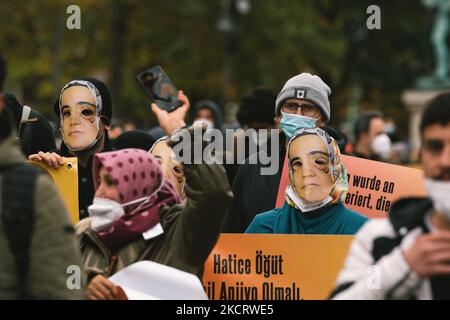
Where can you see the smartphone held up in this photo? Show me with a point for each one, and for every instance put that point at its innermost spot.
(159, 88)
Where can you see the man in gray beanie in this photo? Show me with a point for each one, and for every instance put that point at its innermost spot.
(303, 102)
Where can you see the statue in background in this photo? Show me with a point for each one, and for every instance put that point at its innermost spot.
(440, 76)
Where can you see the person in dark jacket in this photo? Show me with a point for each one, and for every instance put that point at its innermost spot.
(303, 102)
(209, 111)
(255, 113)
(84, 109)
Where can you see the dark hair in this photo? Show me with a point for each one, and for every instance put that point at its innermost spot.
(257, 105)
(436, 112)
(362, 124)
(3, 72)
(134, 139)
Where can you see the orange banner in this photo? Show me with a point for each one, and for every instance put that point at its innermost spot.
(373, 185)
(274, 267)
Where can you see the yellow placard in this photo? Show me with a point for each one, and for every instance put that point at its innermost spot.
(274, 266)
(66, 181)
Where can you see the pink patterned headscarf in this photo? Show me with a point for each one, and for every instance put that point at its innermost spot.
(137, 174)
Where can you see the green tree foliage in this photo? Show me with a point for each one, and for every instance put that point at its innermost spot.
(272, 42)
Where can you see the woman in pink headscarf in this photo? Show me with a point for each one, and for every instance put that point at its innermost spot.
(136, 215)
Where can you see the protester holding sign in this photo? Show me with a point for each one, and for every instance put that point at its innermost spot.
(406, 256)
(84, 108)
(317, 187)
(303, 102)
(137, 215)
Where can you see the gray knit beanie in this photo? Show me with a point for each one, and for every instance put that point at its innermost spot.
(309, 87)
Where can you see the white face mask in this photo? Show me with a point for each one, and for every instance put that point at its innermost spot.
(104, 212)
(303, 205)
(439, 192)
(381, 146)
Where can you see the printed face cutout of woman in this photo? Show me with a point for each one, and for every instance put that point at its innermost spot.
(172, 170)
(311, 176)
(78, 114)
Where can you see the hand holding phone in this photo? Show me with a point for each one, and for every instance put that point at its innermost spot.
(170, 121)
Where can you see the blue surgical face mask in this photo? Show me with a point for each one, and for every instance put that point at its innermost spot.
(291, 123)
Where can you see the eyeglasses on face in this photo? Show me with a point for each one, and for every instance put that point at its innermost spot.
(306, 109)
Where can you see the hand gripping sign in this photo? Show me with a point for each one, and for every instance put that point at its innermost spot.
(373, 185)
(294, 267)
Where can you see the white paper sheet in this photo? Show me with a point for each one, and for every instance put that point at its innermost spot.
(148, 280)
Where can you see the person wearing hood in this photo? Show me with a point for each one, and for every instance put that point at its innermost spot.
(410, 248)
(137, 215)
(209, 112)
(84, 109)
(316, 191)
(303, 102)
